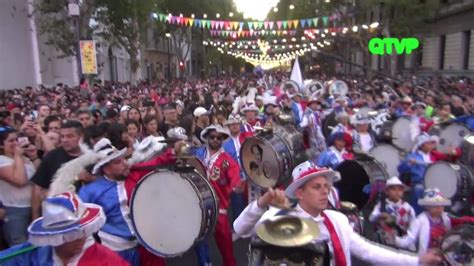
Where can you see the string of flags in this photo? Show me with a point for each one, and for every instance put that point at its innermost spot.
(249, 25)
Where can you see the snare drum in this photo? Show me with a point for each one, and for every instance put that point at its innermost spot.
(389, 156)
(269, 158)
(458, 245)
(455, 181)
(400, 133)
(355, 176)
(467, 157)
(170, 211)
(450, 136)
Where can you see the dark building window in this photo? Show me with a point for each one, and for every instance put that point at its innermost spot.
(466, 43)
(442, 46)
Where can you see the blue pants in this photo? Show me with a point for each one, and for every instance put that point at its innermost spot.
(130, 255)
(237, 201)
(416, 193)
(15, 226)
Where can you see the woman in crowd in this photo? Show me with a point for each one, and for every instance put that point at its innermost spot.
(15, 189)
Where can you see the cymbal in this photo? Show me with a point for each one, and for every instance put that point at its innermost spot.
(348, 205)
(288, 231)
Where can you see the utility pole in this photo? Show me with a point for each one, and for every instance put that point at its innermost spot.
(74, 11)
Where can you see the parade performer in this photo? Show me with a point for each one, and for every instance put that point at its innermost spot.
(423, 124)
(298, 107)
(416, 162)
(223, 173)
(392, 215)
(363, 139)
(312, 127)
(232, 147)
(336, 153)
(63, 236)
(405, 107)
(112, 190)
(343, 126)
(250, 112)
(428, 229)
(310, 188)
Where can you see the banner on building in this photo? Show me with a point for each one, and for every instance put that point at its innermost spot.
(88, 57)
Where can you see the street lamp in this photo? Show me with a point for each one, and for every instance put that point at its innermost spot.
(168, 36)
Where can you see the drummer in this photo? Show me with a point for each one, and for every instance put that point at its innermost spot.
(416, 162)
(392, 207)
(430, 226)
(405, 107)
(223, 173)
(343, 126)
(250, 111)
(336, 153)
(310, 188)
(311, 125)
(419, 117)
(364, 140)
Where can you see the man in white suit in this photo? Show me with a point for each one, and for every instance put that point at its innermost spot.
(310, 187)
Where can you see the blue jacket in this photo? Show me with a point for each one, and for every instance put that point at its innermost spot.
(468, 120)
(112, 196)
(230, 148)
(296, 112)
(416, 171)
(328, 159)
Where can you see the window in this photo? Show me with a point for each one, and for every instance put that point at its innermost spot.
(442, 46)
(466, 43)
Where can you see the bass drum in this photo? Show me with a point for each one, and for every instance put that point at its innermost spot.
(455, 181)
(467, 157)
(329, 123)
(450, 136)
(458, 246)
(197, 165)
(359, 175)
(269, 158)
(399, 133)
(171, 211)
(389, 156)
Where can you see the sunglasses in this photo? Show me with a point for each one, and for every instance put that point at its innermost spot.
(212, 137)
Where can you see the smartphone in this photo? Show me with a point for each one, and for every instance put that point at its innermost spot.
(23, 141)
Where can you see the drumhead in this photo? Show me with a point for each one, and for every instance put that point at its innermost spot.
(452, 136)
(261, 161)
(468, 150)
(166, 214)
(401, 134)
(388, 156)
(443, 176)
(198, 165)
(355, 176)
(329, 123)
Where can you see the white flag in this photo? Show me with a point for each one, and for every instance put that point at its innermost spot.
(296, 75)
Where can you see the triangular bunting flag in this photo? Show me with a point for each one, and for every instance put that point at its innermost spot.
(208, 24)
(241, 25)
(221, 24)
(250, 24)
(255, 25)
(285, 24)
(325, 21)
(239, 33)
(279, 33)
(266, 25)
(191, 22)
(279, 24)
(315, 22)
(213, 24)
(235, 25)
(295, 24)
(260, 24)
(308, 22)
(303, 23)
(162, 17)
(251, 33)
(198, 23)
(270, 24)
(186, 21)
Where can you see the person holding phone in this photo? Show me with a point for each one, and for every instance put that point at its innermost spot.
(15, 188)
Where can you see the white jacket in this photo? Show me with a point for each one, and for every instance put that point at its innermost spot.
(351, 242)
(419, 233)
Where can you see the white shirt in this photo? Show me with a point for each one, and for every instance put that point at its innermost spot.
(13, 196)
(337, 153)
(426, 157)
(236, 145)
(365, 142)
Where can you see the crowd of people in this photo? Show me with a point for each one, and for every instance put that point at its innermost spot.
(44, 129)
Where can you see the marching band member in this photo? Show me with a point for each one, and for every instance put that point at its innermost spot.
(112, 191)
(232, 147)
(64, 236)
(336, 153)
(310, 187)
(343, 126)
(224, 175)
(298, 107)
(363, 139)
(416, 162)
(250, 112)
(393, 208)
(311, 124)
(419, 117)
(428, 229)
(405, 107)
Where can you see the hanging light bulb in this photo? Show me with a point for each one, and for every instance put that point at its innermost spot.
(292, 6)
